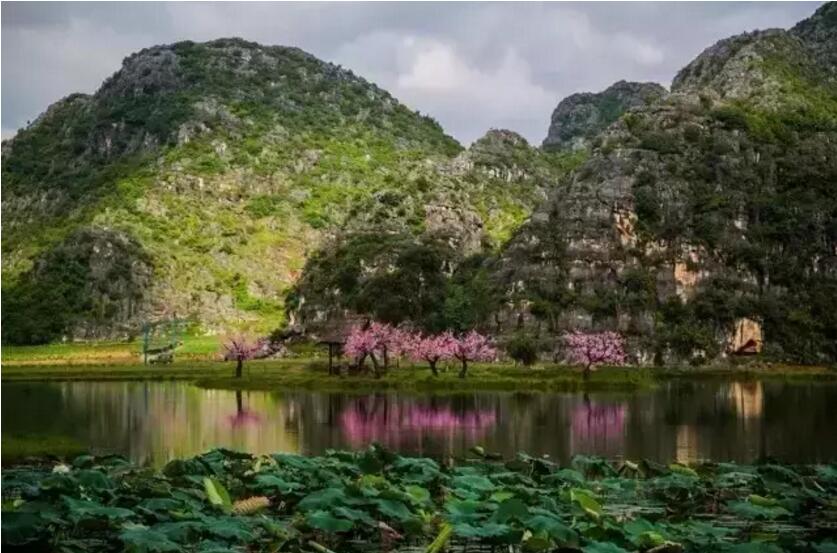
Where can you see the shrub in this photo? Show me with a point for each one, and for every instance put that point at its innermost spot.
(523, 349)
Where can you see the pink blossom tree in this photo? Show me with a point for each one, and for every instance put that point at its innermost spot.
(400, 343)
(240, 348)
(386, 341)
(595, 348)
(472, 346)
(431, 349)
(373, 340)
(360, 344)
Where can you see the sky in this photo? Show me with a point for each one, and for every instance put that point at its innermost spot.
(472, 66)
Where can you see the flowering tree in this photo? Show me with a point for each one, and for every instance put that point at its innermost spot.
(386, 340)
(400, 343)
(595, 348)
(431, 349)
(240, 348)
(472, 346)
(360, 344)
(373, 340)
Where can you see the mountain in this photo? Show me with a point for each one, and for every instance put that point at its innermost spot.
(239, 185)
(580, 117)
(197, 181)
(414, 253)
(703, 223)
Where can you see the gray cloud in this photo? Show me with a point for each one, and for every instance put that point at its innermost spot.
(472, 66)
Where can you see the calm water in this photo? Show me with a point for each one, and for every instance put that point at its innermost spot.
(152, 422)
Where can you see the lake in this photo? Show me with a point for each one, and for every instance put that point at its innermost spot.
(153, 422)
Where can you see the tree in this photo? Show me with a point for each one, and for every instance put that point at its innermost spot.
(431, 349)
(240, 348)
(472, 346)
(360, 344)
(386, 340)
(523, 348)
(595, 348)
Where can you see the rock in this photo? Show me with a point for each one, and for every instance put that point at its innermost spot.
(580, 117)
(746, 338)
(661, 234)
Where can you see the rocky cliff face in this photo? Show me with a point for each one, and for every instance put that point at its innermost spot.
(711, 207)
(95, 281)
(580, 117)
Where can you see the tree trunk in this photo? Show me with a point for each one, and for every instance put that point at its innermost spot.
(464, 371)
(375, 365)
(587, 371)
(433, 368)
(386, 359)
(239, 364)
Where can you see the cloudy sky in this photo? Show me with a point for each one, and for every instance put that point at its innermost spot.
(472, 66)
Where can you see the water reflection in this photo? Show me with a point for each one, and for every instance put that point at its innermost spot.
(598, 427)
(152, 422)
(407, 423)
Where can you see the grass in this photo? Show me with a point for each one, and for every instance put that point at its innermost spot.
(116, 352)
(311, 373)
(17, 447)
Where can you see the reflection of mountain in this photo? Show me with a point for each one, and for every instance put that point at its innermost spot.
(687, 445)
(156, 421)
(747, 398)
(396, 425)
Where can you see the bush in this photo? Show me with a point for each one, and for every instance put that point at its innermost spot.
(523, 349)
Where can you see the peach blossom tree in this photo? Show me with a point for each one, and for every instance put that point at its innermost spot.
(589, 349)
(473, 346)
(241, 348)
(431, 349)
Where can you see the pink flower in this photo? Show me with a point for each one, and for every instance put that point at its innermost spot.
(589, 349)
(240, 347)
(473, 346)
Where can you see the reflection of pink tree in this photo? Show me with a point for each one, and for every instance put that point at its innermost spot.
(594, 422)
(375, 420)
(243, 417)
(240, 348)
(473, 346)
(595, 348)
(431, 349)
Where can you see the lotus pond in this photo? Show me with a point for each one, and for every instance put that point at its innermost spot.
(375, 500)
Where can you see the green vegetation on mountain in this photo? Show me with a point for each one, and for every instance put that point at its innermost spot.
(224, 164)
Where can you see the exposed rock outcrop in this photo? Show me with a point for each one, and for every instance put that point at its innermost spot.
(580, 117)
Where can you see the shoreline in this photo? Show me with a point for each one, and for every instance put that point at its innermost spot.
(312, 374)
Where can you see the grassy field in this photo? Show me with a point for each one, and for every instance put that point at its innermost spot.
(311, 373)
(197, 360)
(193, 348)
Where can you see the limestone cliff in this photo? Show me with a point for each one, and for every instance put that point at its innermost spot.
(580, 117)
(713, 206)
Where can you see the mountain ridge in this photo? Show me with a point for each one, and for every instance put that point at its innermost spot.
(253, 187)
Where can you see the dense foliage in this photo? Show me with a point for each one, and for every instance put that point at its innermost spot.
(347, 501)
